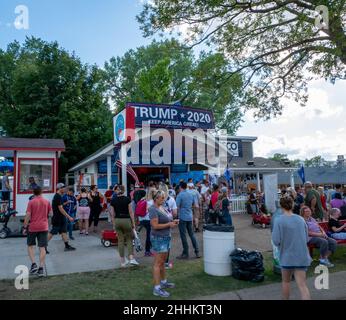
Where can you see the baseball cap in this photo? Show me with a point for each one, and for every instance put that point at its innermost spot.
(224, 189)
(60, 186)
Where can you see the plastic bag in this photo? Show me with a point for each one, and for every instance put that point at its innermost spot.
(137, 241)
(247, 265)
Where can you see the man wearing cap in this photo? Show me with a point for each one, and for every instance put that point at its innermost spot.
(59, 219)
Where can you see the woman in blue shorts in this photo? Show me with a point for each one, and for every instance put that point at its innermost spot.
(290, 235)
(161, 224)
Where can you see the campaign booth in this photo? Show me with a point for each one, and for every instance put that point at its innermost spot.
(35, 163)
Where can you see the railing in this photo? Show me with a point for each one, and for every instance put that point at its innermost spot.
(238, 204)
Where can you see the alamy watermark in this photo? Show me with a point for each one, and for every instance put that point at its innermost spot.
(21, 21)
(21, 282)
(322, 17)
(322, 280)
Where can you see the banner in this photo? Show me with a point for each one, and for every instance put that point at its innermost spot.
(172, 117)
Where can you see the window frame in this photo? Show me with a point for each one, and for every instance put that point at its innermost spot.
(52, 160)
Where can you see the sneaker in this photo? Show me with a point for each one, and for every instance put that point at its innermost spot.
(69, 248)
(134, 262)
(326, 263)
(198, 255)
(183, 257)
(40, 272)
(167, 285)
(161, 293)
(33, 268)
(71, 238)
(124, 265)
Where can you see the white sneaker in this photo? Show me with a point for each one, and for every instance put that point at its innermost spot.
(134, 262)
(124, 264)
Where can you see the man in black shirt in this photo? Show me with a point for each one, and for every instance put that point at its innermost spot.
(59, 219)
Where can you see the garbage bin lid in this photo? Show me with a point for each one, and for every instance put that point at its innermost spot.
(219, 228)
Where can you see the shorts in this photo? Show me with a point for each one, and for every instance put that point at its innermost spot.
(42, 239)
(62, 228)
(160, 244)
(5, 195)
(295, 268)
(83, 213)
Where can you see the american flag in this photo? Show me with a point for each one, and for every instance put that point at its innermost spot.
(129, 169)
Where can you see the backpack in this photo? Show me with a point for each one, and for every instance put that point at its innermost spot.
(141, 208)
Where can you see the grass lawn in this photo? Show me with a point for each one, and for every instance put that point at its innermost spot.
(136, 283)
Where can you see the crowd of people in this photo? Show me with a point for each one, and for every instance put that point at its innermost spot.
(297, 227)
(156, 208)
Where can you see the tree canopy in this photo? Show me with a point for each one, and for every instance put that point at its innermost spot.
(45, 92)
(278, 45)
(167, 72)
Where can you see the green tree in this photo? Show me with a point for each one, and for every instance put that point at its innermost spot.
(278, 156)
(166, 72)
(276, 44)
(316, 161)
(45, 92)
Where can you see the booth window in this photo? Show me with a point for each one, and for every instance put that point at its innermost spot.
(35, 173)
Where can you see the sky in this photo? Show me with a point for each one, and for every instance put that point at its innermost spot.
(97, 30)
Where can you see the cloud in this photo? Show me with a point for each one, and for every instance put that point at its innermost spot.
(301, 147)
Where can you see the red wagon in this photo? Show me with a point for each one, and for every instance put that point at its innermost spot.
(262, 219)
(109, 237)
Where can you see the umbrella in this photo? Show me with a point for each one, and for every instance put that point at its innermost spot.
(6, 165)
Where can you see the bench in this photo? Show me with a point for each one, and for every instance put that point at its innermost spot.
(325, 227)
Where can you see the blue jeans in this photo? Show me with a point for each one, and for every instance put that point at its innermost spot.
(183, 227)
(70, 224)
(227, 218)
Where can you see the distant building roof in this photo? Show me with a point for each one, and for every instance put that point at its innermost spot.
(317, 175)
(258, 164)
(28, 144)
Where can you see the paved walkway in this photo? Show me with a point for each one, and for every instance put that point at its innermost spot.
(336, 291)
(89, 256)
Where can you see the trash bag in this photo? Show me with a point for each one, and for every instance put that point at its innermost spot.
(247, 265)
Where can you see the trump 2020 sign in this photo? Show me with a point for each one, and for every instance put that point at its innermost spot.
(172, 117)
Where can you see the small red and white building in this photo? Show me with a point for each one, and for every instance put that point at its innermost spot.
(34, 160)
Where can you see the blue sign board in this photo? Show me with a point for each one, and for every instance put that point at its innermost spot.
(172, 117)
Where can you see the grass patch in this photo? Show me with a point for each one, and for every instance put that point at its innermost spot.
(136, 284)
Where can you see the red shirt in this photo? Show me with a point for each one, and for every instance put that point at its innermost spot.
(39, 208)
(214, 197)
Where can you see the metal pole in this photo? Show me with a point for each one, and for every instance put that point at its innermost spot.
(292, 179)
(123, 160)
(109, 171)
(258, 181)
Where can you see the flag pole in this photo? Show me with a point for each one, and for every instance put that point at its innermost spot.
(123, 159)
